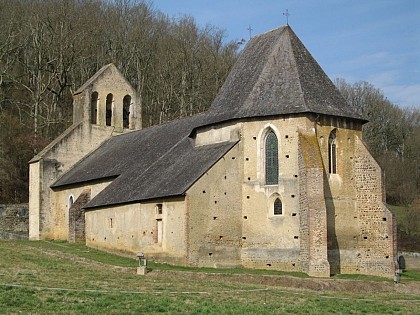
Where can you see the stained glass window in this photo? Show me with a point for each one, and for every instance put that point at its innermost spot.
(271, 159)
(278, 207)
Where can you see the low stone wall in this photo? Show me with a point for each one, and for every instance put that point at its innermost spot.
(409, 261)
(12, 236)
(14, 221)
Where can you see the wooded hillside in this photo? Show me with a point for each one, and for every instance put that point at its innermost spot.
(49, 48)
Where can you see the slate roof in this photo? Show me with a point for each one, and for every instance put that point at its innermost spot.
(137, 150)
(274, 75)
(147, 164)
(171, 175)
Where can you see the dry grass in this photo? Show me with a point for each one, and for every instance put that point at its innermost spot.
(54, 278)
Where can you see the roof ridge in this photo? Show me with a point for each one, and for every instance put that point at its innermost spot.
(93, 78)
(143, 172)
(313, 78)
(286, 26)
(220, 150)
(45, 150)
(291, 33)
(80, 161)
(267, 65)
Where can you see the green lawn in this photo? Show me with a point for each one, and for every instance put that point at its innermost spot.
(61, 278)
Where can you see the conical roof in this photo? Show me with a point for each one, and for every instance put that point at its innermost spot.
(276, 75)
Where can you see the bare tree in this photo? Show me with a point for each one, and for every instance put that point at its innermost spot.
(392, 134)
(49, 48)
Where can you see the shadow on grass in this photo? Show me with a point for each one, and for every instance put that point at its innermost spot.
(81, 250)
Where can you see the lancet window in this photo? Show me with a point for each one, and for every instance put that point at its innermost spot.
(332, 153)
(94, 108)
(109, 100)
(126, 111)
(271, 159)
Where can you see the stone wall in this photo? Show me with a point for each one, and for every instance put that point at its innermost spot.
(313, 208)
(60, 202)
(84, 136)
(140, 227)
(376, 241)
(46, 222)
(214, 221)
(14, 221)
(339, 191)
(77, 218)
(270, 241)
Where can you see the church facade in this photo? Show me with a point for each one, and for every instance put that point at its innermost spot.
(274, 175)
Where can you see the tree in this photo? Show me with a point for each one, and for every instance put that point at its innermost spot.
(49, 48)
(392, 135)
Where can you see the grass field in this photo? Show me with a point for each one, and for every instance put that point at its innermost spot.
(60, 278)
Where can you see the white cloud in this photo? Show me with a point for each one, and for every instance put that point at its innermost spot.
(384, 78)
(403, 95)
(380, 58)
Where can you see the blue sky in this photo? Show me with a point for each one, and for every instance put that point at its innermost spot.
(377, 41)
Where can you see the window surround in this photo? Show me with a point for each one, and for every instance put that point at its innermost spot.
(332, 152)
(126, 111)
(271, 152)
(94, 101)
(109, 109)
(159, 224)
(277, 207)
(159, 209)
(261, 156)
(70, 201)
(271, 206)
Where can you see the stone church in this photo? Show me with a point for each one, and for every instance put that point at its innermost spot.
(274, 175)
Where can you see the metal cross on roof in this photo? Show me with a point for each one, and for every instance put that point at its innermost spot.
(287, 14)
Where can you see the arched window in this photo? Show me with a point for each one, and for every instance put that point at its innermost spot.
(278, 207)
(109, 100)
(70, 201)
(271, 159)
(332, 153)
(126, 111)
(94, 108)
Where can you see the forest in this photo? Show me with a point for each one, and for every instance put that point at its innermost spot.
(49, 48)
